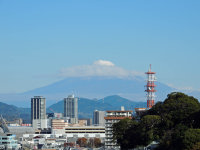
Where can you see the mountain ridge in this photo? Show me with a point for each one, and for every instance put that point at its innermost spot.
(93, 87)
(86, 107)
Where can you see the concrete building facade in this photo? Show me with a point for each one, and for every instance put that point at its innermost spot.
(8, 141)
(58, 126)
(111, 118)
(71, 108)
(98, 118)
(71, 134)
(38, 112)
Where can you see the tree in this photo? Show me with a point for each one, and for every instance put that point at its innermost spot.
(176, 109)
(91, 143)
(150, 127)
(120, 132)
(191, 138)
(196, 146)
(194, 120)
(172, 123)
(82, 142)
(97, 142)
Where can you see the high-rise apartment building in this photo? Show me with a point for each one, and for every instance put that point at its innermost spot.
(98, 118)
(71, 108)
(111, 118)
(38, 112)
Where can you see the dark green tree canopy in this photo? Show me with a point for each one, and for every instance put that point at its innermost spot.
(174, 123)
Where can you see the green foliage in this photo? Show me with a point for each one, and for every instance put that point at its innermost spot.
(130, 133)
(150, 126)
(176, 109)
(194, 120)
(174, 123)
(150, 121)
(196, 146)
(191, 137)
(10, 112)
(175, 113)
(120, 132)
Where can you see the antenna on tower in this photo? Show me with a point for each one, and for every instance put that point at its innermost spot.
(150, 68)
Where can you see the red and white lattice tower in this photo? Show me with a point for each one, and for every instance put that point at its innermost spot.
(150, 88)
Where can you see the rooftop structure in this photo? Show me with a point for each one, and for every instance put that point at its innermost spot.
(140, 111)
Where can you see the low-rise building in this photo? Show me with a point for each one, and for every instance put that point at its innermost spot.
(58, 126)
(71, 134)
(20, 130)
(111, 118)
(8, 141)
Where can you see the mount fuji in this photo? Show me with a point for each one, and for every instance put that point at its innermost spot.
(89, 87)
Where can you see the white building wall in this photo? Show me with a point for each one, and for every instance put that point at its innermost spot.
(111, 118)
(39, 123)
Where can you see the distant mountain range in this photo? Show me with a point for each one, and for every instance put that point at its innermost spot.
(85, 107)
(91, 87)
(11, 112)
(125, 92)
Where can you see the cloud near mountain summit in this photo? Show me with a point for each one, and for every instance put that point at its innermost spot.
(102, 68)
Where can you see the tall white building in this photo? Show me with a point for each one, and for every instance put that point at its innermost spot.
(38, 112)
(98, 118)
(111, 118)
(71, 108)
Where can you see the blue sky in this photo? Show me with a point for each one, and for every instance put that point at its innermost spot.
(38, 39)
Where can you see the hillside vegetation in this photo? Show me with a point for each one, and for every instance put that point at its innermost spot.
(174, 124)
(85, 107)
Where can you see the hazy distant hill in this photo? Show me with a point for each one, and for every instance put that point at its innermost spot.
(10, 112)
(87, 106)
(93, 87)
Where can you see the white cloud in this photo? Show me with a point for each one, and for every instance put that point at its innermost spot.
(99, 68)
(103, 63)
(187, 88)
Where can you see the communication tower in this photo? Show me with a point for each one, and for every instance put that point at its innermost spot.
(150, 88)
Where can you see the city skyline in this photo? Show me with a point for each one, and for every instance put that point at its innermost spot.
(41, 41)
